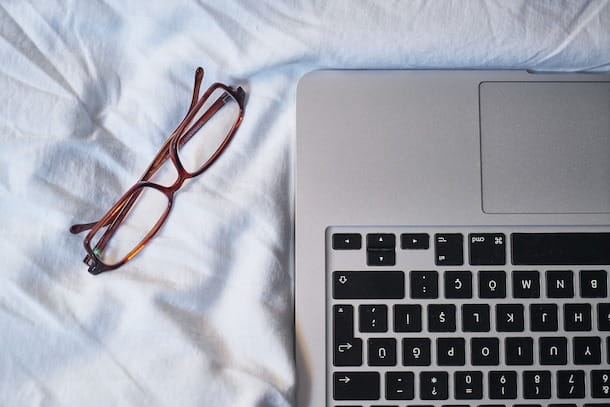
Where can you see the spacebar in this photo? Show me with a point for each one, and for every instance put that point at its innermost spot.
(362, 285)
(561, 248)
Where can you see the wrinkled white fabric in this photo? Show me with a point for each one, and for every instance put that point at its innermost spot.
(89, 92)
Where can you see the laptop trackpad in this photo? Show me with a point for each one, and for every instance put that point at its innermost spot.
(545, 147)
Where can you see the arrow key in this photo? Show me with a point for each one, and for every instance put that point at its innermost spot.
(380, 257)
(385, 241)
(415, 241)
(356, 386)
(347, 241)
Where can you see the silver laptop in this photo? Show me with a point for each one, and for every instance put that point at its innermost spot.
(453, 239)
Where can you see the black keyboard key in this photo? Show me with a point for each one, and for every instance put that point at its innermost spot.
(415, 241)
(570, 384)
(593, 283)
(559, 284)
(356, 386)
(563, 405)
(449, 249)
(587, 350)
(560, 248)
(347, 349)
(348, 352)
(509, 317)
(487, 249)
(458, 284)
(434, 385)
(537, 384)
(441, 318)
(450, 351)
(380, 241)
(343, 322)
(362, 285)
(492, 284)
(468, 385)
(553, 351)
(382, 352)
(600, 384)
(416, 351)
(603, 317)
(475, 318)
(407, 318)
(373, 318)
(399, 386)
(577, 317)
(519, 351)
(502, 385)
(347, 241)
(424, 284)
(543, 317)
(526, 284)
(485, 351)
(380, 258)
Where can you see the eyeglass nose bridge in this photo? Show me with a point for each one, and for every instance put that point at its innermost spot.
(183, 175)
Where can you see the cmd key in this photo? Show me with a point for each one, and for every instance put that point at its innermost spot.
(487, 249)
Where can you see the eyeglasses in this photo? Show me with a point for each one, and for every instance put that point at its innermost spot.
(132, 222)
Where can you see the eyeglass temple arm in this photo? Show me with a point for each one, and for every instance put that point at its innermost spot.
(163, 154)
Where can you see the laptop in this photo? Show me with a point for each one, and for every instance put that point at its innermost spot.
(452, 239)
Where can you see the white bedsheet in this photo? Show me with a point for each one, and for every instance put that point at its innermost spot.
(89, 90)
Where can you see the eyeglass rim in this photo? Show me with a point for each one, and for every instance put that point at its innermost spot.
(238, 96)
(100, 265)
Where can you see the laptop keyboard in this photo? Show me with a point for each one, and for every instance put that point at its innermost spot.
(460, 317)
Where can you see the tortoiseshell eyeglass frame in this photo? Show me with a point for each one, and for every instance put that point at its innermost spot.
(113, 218)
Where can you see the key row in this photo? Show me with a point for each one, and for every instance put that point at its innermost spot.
(477, 318)
(459, 284)
(380, 241)
(485, 248)
(516, 351)
(472, 385)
